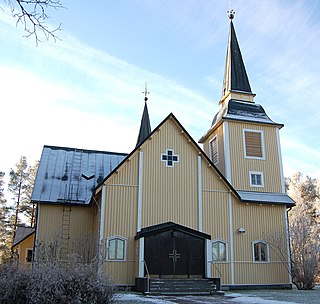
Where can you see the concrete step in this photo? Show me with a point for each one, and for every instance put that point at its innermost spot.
(182, 287)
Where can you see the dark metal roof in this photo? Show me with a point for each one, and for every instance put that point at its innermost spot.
(168, 226)
(145, 128)
(21, 234)
(244, 111)
(68, 175)
(266, 198)
(235, 76)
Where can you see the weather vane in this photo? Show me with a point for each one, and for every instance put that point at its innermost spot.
(231, 14)
(146, 92)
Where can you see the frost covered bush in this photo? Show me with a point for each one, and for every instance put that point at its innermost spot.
(13, 284)
(48, 283)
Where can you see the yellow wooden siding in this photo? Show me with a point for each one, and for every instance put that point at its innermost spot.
(121, 220)
(241, 166)
(171, 194)
(82, 226)
(162, 185)
(261, 273)
(261, 222)
(50, 221)
(22, 248)
(223, 271)
(121, 211)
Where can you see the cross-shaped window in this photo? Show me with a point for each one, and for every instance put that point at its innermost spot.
(170, 158)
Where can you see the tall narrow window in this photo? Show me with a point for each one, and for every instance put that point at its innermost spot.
(29, 255)
(260, 251)
(214, 150)
(219, 251)
(253, 144)
(116, 248)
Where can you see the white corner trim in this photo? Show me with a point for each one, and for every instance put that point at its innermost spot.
(288, 244)
(102, 221)
(199, 193)
(283, 187)
(226, 144)
(231, 238)
(139, 215)
(37, 234)
(208, 259)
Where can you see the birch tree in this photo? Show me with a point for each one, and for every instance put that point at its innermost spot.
(304, 231)
(33, 16)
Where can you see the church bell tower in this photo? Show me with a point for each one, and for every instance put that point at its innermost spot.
(243, 142)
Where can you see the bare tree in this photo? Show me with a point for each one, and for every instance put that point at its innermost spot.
(32, 14)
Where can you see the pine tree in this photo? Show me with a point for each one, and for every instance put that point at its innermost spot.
(28, 208)
(17, 186)
(5, 238)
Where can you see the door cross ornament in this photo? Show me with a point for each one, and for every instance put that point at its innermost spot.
(174, 256)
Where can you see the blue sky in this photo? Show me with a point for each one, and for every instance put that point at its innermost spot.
(85, 91)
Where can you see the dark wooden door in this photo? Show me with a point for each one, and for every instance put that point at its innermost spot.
(174, 254)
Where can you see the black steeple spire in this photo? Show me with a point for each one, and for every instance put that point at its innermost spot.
(145, 127)
(235, 75)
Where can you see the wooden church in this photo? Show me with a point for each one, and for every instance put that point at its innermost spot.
(171, 209)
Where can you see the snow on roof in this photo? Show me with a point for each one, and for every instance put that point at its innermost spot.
(68, 175)
(266, 198)
(245, 111)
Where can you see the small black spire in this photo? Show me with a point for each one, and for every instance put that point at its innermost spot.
(145, 127)
(235, 76)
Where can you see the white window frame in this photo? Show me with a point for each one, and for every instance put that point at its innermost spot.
(262, 144)
(112, 238)
(226, 247)
(27, 255)
(256, 173)
(173, 155)
(210, 149)
(267, 252)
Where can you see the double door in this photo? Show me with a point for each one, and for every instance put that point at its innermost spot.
(174, 254)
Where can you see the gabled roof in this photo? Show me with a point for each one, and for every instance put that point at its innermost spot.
(171, 116)
(68, 175)
(168, 226)
(285, 200)
(21, 234)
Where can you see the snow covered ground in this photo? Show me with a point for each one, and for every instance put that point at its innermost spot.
(251, 297)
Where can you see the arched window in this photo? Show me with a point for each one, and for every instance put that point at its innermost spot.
(260, 251)
(116, 248)
(219, 251)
